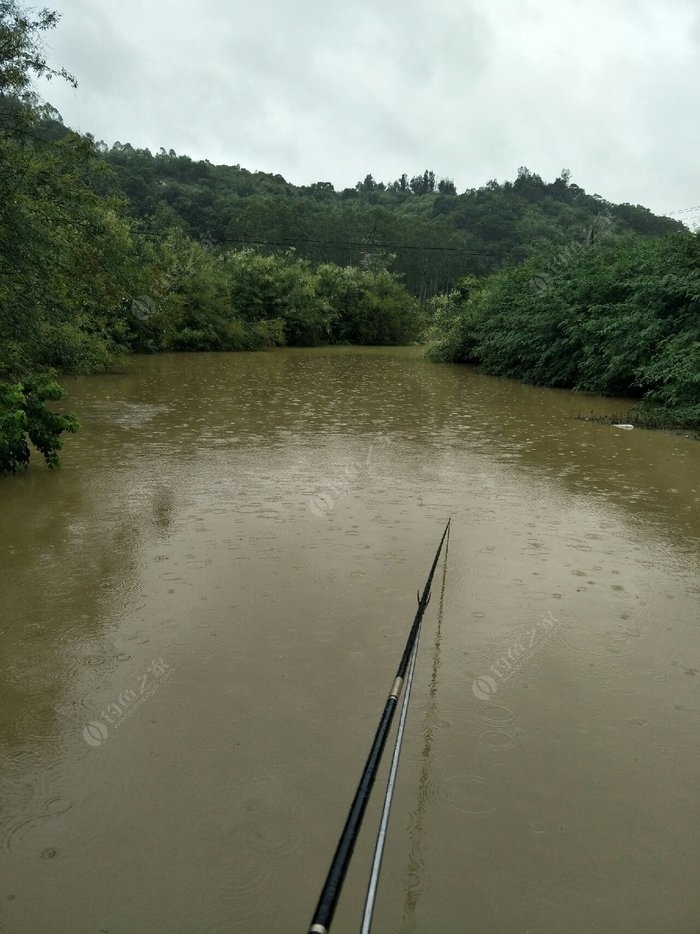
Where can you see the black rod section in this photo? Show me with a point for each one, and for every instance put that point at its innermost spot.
(325, 909)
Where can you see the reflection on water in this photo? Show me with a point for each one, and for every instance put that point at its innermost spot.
(416, 867)
(261, 522)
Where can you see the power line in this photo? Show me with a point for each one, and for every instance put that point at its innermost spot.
(684, 211)
(347, 244)
(363, 246)
(690, 217)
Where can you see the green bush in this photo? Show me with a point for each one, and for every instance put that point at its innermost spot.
(622, 317)
(24, 417)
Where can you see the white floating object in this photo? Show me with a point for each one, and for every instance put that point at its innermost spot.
(626, 427)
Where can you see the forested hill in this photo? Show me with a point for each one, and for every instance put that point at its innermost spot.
(435, 234)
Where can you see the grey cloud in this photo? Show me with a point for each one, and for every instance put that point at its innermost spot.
(472, 89)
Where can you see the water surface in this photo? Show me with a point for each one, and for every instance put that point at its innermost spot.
(218, 584)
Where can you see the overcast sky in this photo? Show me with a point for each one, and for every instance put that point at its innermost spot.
(329, 91)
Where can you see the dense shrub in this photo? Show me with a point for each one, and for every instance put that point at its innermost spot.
(619, 317)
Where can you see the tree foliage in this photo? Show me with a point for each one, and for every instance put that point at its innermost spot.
(621, 317)
(24, 417)
(438, 235)
(22, 50)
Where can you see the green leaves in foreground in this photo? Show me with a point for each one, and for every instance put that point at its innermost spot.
(24, 418)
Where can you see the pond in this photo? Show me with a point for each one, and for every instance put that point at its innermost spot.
(204, 609)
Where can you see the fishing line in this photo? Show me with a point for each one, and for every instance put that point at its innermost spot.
(417, 830)
(330, 892)
(391, 782)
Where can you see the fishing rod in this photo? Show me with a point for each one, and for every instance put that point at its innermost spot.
(388, 797)
(330, 893)
(391, 781)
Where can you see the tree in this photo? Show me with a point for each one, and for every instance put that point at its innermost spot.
(23, 417)
(447, 187)
(619, 317)
(368, 184)
(529, 185)
(29, 206)
(21, 48)
(21, 61)
(423, 184)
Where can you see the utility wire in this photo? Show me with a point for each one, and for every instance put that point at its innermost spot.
(366, 246)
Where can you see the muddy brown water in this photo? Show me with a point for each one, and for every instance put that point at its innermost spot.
(203, 611)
